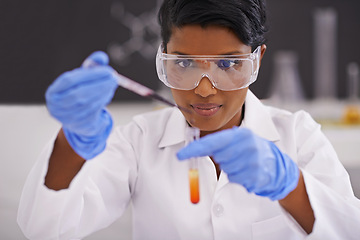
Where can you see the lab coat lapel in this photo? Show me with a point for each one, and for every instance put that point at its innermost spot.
(223, 180)
(257, 118)
(174, 130)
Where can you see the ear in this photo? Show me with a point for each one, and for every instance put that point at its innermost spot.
(263, 50)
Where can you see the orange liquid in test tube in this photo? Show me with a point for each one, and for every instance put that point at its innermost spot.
(194, 185)
(191, 135)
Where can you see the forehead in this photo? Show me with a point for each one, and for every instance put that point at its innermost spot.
(209, 40)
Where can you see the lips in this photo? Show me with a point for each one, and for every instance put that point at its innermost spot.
(206, 109)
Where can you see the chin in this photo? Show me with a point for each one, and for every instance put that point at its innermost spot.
(205, 127)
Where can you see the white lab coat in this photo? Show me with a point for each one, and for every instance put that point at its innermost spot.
(139, 165)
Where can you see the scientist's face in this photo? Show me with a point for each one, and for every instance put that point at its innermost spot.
(211, 109)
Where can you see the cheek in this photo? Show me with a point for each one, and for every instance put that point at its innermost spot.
(179, 96)
(232, 111)
(236, 98)
(234, 104)
(174, 94)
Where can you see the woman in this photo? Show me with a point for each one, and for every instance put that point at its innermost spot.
(264, 173)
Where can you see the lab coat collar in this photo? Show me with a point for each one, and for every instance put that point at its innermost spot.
(257, 119)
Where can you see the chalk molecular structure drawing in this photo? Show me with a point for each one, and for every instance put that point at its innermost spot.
(140, 27)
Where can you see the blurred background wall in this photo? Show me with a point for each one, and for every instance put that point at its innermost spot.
(41, 39)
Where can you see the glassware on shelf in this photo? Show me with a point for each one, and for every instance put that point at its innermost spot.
(286, 84)
(352, 109)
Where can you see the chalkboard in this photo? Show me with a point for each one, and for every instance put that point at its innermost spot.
(41, 39)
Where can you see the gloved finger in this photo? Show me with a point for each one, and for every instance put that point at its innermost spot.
(78, 115)
(96, 58)
(212, 143)
(230, 161)
(244, 178)
(251, 180)
(76, 118)
(78, 105)
(98, 92)
(234, 151)
(246, 145)
(79, 119)
(93, 126)
(71, 79)
(253, 155)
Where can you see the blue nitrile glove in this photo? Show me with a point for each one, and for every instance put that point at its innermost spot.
(249, 160)
(78, 99)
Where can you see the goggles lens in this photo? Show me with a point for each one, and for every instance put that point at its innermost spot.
(230, 72)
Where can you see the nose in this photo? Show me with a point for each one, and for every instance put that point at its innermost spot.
(205, 88)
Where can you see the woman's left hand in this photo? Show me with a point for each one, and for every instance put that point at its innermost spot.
(249, 160)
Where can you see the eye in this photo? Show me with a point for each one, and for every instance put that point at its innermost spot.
(184, 63)
(227, 63)
(224, 64)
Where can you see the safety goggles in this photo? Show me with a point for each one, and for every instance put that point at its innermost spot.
(225, 72)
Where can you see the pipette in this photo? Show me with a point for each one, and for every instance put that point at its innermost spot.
(135, 87)
(194, 134)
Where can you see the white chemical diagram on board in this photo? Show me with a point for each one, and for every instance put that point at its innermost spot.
(140, 28)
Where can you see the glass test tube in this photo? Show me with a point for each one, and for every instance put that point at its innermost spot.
(194, 134)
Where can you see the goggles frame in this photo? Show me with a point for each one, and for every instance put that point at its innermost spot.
(162, 57)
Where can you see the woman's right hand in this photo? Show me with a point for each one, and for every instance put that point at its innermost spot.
(78, 99)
